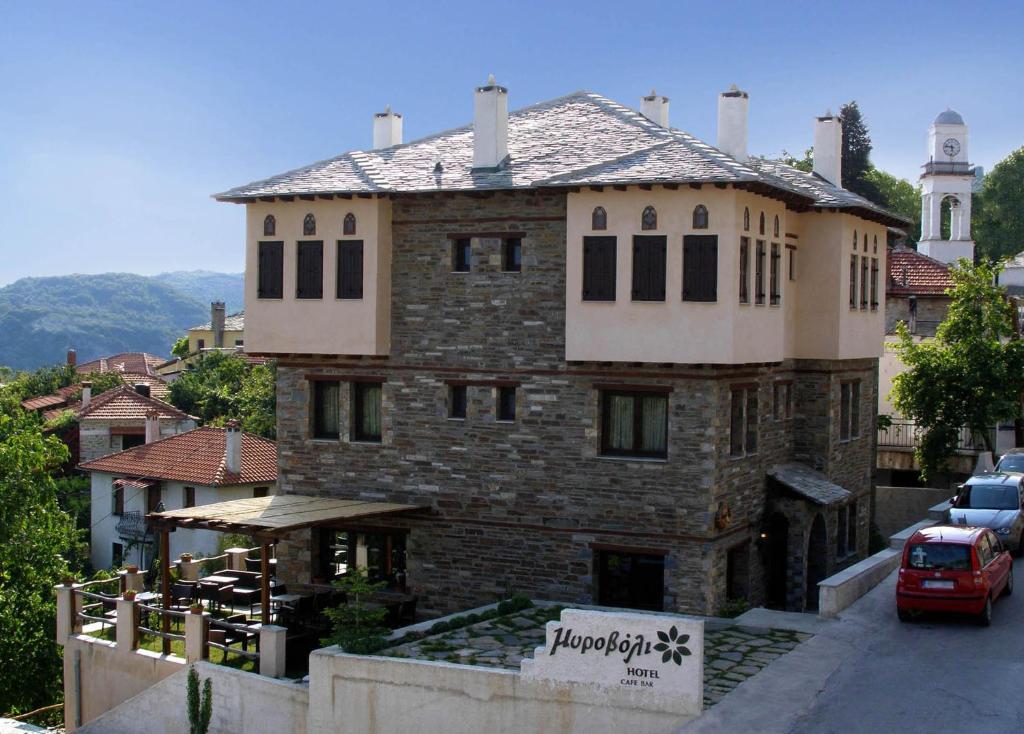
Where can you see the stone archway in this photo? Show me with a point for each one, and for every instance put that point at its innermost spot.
(817, 561)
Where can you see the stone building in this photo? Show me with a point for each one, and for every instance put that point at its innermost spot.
(124, 417)
(613, 364)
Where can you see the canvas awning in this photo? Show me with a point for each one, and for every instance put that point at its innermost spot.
(271, 517)
(808, 483)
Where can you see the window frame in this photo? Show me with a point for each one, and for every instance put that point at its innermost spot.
(587, 284)
(117, 501)
(309, 225)
(269, 226)
(505, 404)
(853, 282)
(874, 284)
(270, 282)
(864, 265)
(701, 218)
(462, 255)
(700, 268)
(744, 441)
(316, 411)
(348, 225)
(345, 290)
(303, 247)
(637, 396)
(653, 252)
(359, 390)
(744, 255)
(599, 219)
(649, 219)
(849, 410)
(188, 497)
(458, 402)
(759, 258)
(791, 263)
(774, 273)
(782, 400)
(510, 246)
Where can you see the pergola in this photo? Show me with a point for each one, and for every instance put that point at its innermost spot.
(266, 520)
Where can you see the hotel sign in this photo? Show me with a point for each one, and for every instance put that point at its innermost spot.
(657, 657)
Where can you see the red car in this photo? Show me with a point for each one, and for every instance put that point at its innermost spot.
(953, 569)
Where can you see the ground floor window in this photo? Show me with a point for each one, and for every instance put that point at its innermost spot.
(634, 424)
(381, 553)
(630, 580)
(737, 572)
(116, 555)
(130, 440)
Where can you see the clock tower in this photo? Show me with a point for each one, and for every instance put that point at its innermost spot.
(947, 177)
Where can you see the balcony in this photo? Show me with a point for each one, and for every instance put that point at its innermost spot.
(933, 168)
(907, 434)
(132, 527)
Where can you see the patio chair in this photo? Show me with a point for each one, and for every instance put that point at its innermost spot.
(229, 637)
(208, 592)
(225, 595)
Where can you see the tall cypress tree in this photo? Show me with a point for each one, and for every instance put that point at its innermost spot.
(857, 153)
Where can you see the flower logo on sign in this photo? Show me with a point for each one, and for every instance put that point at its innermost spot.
(672, 646)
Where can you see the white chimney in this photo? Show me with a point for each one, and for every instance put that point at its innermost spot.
(387, 129)
(490, 125)
(152, 426)
(828, 148)
(733, 107)
(86, 393)
(233, 448)
(655, 108)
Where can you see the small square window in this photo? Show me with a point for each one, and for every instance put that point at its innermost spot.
(513, 255)
(634, 424)
(188, 497)
(261, 491)
(200, 344)
(506, 403)
(461, 255)
(457, 402)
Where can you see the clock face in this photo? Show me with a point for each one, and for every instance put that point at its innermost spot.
(951, 147)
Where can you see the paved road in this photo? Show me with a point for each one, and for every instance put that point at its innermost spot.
(937, 675)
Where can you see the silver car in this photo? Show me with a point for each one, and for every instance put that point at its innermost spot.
(993, 501)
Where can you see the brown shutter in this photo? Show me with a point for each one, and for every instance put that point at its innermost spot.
(700, 268)
(649, 268)
(350, 269)
(310, 261)
(599, 268)
(270, 277)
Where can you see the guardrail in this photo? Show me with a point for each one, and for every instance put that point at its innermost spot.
(230, 633)
(907, 435)
(85, 611)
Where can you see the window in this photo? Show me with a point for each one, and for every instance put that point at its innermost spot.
(239, 343)
(746, 219)
(874, 247)
(841, 523)
(326, 409)
(269, 226)
(759, 274)
(773, 281)
(461, 255)
(116, 554)
(851, 528)
(512, 258)
(366, 413)
(310, 270)
(599, 268)
(648, 268)
(874, 284)
(743, 421)
(270, 270)
(791, 255)
(853, 281)
(350, 269)
(700, 217)
(630, 580)
(506, 403)
(854, 240)
(649, 218)
(599, 219)
(117, 497)
(188, 497)
(700, 267)
(348, 224)
(200, 344)
(153, 499)
(855, 410)
(782, 401)
(309, 226)
(760, 224)
(457, 402)
(260, 492)
(849, 411)
(864, 279)
(775, 227)
(634, 424)
(744, 270)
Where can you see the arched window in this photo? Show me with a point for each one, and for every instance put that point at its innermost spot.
(746, 219)
(855, 239)
(700, 217)
(599, 218)
(760, 225)
(309, 225)
(649, 219)
(349, 225)
(269, 226)
(775, 227)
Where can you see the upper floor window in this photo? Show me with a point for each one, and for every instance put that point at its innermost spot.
(117, 501)
(512, 255)
(326, 409)
(874, 284)
(310, 269)
(853, 281)
(744, 270)
(599, 268)
(775, 226)
(270, 270)
(782, 401)
(188, 496)
(700, 217)
(457, 402)
(599, 219)
(774, 285)
(849, 410)
(791, 264)
(634, 424)
(759, 274)
(700, 267)
(366, 411)
(865, 242)
(506, 403)
(648, 268)
(649, 219)
(864, 279)
(348, 225)
(874, 247)
(461, 255)
(746, 219)
(309, 225)
(349, 282)
(269, 226)
(743, 421)
(854, 239)
(760, 224)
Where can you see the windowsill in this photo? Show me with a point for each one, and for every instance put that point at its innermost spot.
(460, 272)
(324, 439)
(502, 420)
(634, 459)
(456, 420)
(269, 298)
(364, 442)
(744, 303)
(352, 298)
(737, 457)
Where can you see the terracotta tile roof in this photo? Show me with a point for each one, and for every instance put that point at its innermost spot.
(45, 401)
(49, 415)
(196, 457)
(127, 362)
(911, 273)
(157, 387)
(124, 403)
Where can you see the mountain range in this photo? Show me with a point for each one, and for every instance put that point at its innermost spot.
(98, 315)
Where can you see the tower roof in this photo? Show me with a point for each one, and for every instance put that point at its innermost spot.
(949, 117)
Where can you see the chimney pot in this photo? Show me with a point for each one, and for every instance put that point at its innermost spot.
(217, 323)
(152, 425)
(86, 393)
(490, 125)
(655, 108)
(232, 448)
(828, 148)
(72, 357)
(387, 129)
(733, 113)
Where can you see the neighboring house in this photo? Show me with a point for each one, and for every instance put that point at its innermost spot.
(1012, 277)
(915, 292)
(198, 467)
(136, 368)
(120, 419)
(220, 332)
(616, 364)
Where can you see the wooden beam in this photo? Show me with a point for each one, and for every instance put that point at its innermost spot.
(597, 188)
(268, 199)
(696, 186)
(671, 186)
(287, 198)
(365, 196)
(619, 187)
(165, 582)
(265, 583)
(307, 197)
(325, 196)
(646, 187)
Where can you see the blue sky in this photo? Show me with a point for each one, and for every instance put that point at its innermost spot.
(118, 120)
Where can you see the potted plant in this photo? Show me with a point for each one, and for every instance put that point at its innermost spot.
(197, 608)
(69, 580)
(129, 594)
(186, 557)
(131, 568)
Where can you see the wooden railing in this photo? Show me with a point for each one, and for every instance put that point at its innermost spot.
(232, 633)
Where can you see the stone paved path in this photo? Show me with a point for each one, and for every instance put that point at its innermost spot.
(731, 654)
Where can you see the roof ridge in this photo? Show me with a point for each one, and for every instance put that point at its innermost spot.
(129, 391)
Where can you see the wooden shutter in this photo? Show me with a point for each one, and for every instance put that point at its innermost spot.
(599, 263)
(649, 268)
(700, 268)
(310, 259)
(350, 269)
(270, 273)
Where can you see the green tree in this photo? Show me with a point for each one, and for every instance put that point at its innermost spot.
(900, 196)
(856, 157)
(36, 539)
(223, 386)
(199, 709)
(971, 375)
(998, 221)
(805, 164)
(358, 624)
(180, 348)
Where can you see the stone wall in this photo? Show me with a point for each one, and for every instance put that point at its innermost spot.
(931, 311)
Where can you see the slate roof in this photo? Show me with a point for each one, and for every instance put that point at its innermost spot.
(576, 140)
(808, 483)
(124, 403)
(232, 322)
(914, 274)
(196, 457)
